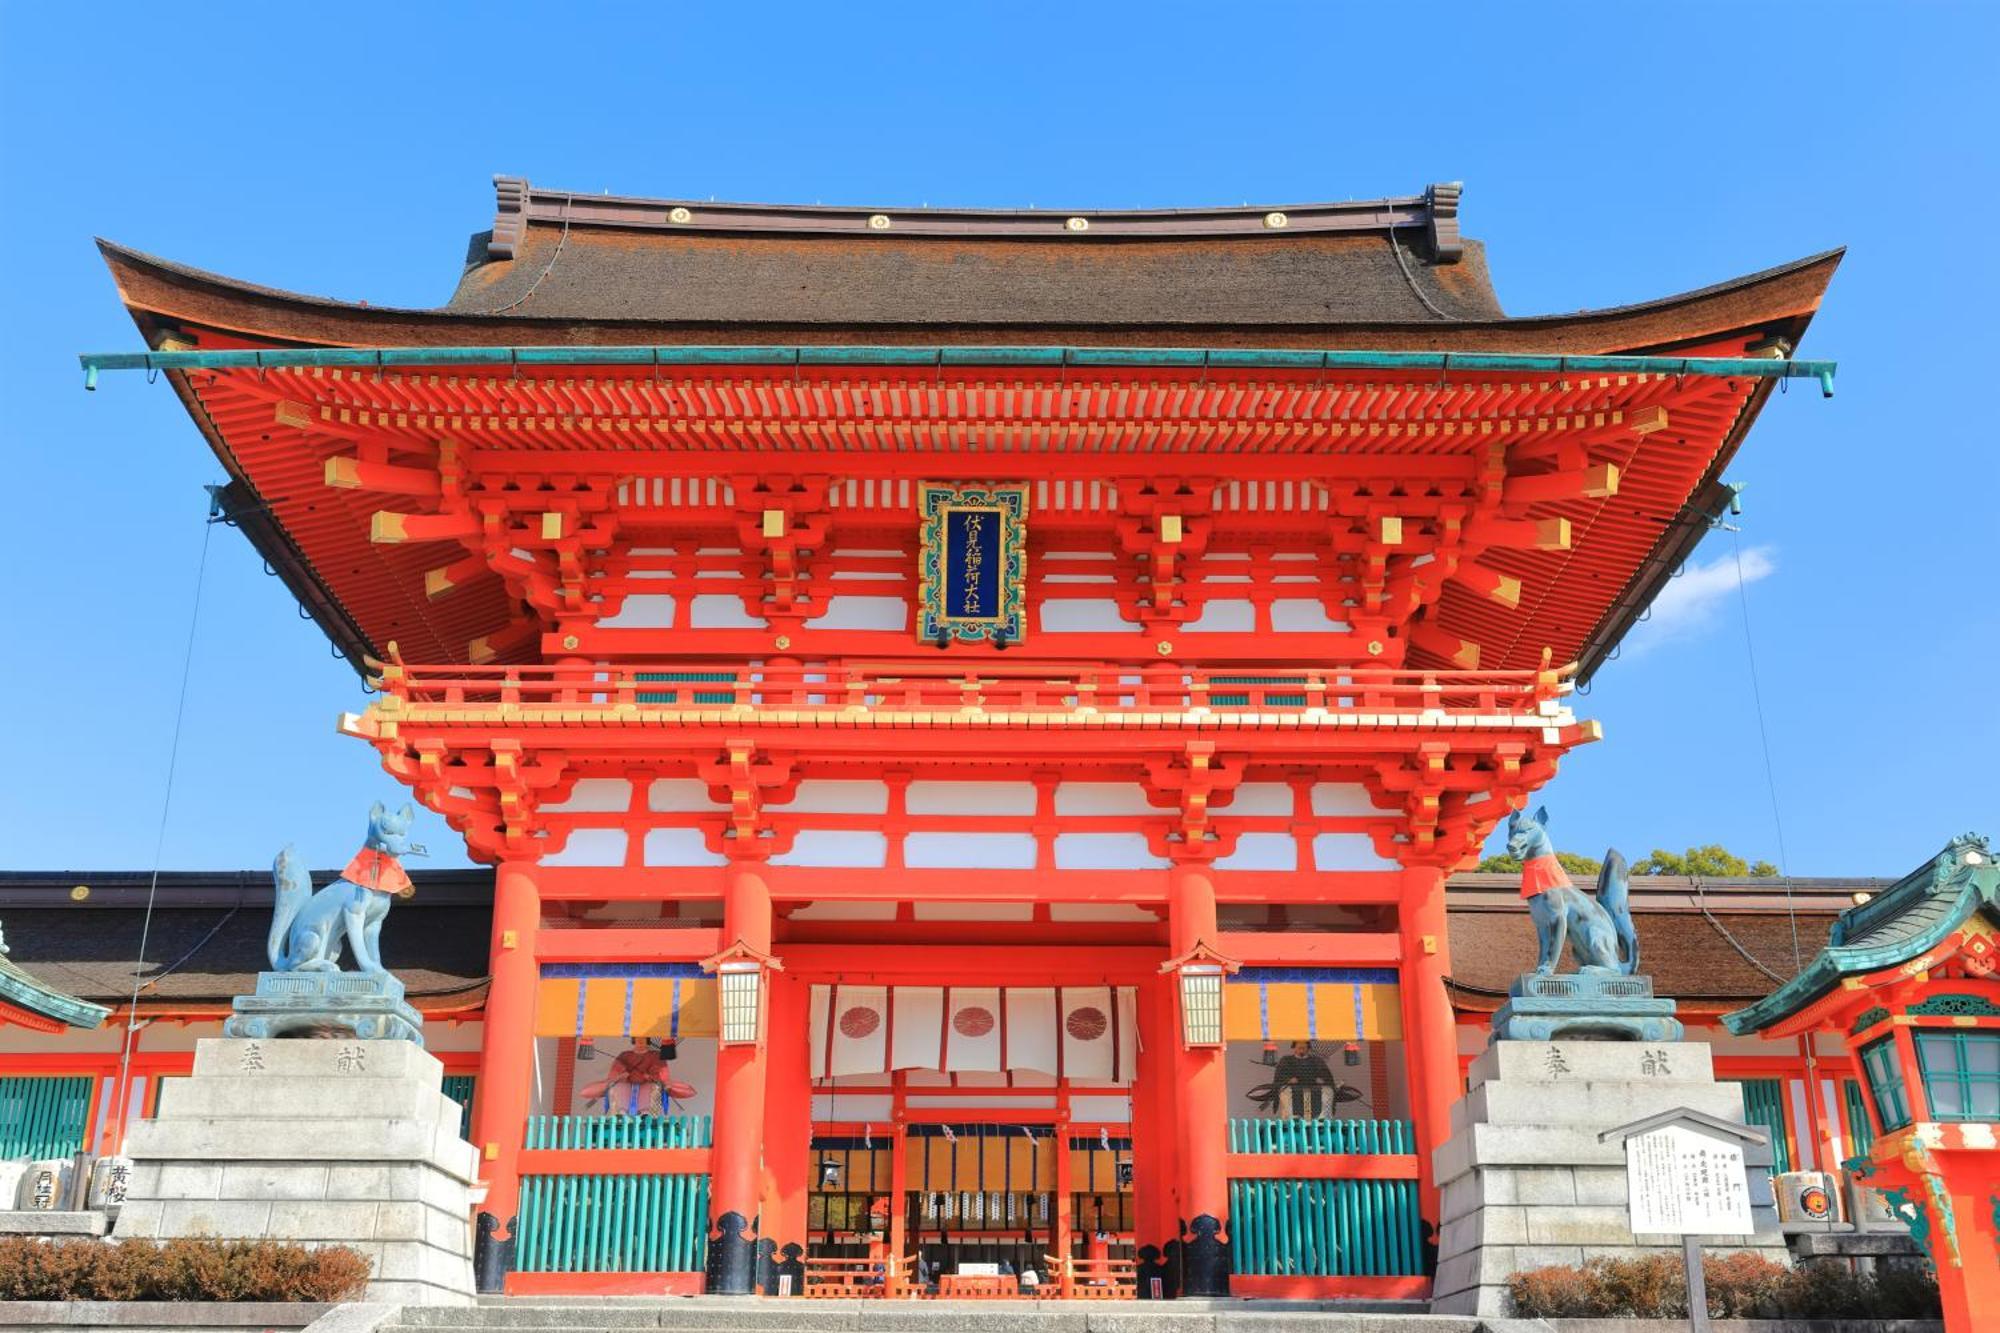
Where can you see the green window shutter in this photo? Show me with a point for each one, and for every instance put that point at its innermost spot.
(1764, 1107)
(458, 1087)
(1885, 1082)
(1860, 1128)
(42, 1116)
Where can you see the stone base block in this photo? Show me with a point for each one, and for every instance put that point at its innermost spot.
(1526, 1181)
(324, 1142)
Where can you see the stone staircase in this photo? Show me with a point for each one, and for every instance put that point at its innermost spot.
(615, 1314)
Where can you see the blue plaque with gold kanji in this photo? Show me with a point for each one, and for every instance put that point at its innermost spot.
(974, 563)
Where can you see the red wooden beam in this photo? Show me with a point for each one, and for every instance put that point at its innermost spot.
(1345, 949)
(626, 945)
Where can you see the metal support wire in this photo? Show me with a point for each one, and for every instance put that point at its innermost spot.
(122, 1097)
(1764, 738)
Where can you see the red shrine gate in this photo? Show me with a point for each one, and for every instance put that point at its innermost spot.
(969, 644)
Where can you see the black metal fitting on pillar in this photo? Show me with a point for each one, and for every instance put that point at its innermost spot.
(732, 1257)
(1205, 1259)
(492, 1258)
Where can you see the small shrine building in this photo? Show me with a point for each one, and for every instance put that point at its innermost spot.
(984, 703)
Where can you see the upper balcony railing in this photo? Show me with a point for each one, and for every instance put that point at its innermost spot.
(555, 694)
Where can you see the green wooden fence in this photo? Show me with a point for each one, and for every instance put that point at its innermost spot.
(1284, 1135)
(620, 1131)
(1325, 1228)
(1764, 1106)
(613, 1224)
(43, 1116)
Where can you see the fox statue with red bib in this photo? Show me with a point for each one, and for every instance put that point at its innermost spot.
(1598, 930)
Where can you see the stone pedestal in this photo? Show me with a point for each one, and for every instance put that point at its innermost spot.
(369, 1003)
(1526, 1181)
(327, 1142)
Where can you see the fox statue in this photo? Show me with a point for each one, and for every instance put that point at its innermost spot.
(308, 929)
(1598, 930)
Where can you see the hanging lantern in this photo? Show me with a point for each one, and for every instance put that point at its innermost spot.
(1268, 1057)
(740, 990)
(1350, 1054)
(1201, 1005)
(829, 1173)
(586, 1049)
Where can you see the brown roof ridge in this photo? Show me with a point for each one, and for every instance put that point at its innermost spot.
(520, 204)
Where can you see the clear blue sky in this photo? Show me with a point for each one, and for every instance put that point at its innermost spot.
(1610, 154)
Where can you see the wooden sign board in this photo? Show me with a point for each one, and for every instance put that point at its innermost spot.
(1681, 1182)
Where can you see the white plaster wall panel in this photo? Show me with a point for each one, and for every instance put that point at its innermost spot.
(870, 555)
(645, 610)
(924, 911)
(1101, 912)
(1107, 1110)
(1103, 798)
(970, 798)
(717, 550)
(1227, 578)
(878, 613)
(590, 847)
(1084, 615)
(830, 796)
(596, 795)
(1259, 798)
(463, 793)
(649, 550)
(648, 574)
(1347, 851)
(969, 851)
(1262, 851)
(1065, 577)
(1106, 851)
(679, 847)
(848, 1106)
(848, 848)
(1342, 798)
(1303, 615)
(869, 575)
(721, 611)
(1294, 557)
(670, 794)
(1225, 615)
(1063, 556)
(843, 911)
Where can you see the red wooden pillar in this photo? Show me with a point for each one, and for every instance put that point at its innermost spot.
(1156, 1131)
(506, 1067)
(1204, 1101)
(787, 1126)
(736, 1172)
(1430, 1037)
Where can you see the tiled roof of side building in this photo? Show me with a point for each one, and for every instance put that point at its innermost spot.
(1712, 944)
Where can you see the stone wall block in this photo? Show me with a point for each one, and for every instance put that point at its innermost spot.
(343, 1140)
(298, 1099)
(186, 1180)
(375, 1180)
(274, 1180)
(332, 1220)
(1528, 1062)
(212, 1217)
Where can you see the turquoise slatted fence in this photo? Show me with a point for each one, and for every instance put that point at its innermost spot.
(43, 1116)
(620, 1131)
(458, 1087)
(1325, 1228)
(689, 677)
(613, 1224)
(1282, 1135)
(1764, 1106)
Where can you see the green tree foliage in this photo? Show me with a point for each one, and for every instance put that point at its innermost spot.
(1713, 861)
(1582, 867)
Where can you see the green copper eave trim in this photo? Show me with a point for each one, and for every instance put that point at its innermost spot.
(1964, 872)
(1221, 358)
(18, 988)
